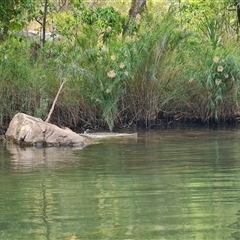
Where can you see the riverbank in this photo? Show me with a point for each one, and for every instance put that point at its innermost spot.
(160, 124)
(136, 80)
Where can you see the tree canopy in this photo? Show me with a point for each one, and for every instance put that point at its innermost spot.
(11, 15)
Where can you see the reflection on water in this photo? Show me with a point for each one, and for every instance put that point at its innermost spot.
(175, 184)
(31, 159)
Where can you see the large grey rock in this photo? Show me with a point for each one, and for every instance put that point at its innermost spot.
(28, 130)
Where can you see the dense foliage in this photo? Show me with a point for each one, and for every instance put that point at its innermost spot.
(178, 62)
(11, 15)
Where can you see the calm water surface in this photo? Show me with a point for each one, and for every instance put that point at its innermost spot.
(169, 184)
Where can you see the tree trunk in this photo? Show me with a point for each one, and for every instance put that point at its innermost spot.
(44, 22)
(136, 7)
(238, 22)
(235, 6)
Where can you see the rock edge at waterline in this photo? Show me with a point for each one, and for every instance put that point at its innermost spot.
(30, 131)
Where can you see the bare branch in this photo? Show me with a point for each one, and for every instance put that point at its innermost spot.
(55, 100)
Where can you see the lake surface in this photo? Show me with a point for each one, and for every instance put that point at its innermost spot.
(168, 184)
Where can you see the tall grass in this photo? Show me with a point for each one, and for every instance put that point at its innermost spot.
(157, 72)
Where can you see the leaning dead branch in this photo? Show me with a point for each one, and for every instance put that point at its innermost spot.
(55, 100)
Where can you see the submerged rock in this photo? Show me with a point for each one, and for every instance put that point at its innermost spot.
(28, 130)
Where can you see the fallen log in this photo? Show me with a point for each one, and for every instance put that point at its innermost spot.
(102, 135)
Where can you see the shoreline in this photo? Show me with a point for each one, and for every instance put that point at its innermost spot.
(134, 130)
(163, 124)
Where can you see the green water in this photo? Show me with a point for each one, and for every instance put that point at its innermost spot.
(171, 184)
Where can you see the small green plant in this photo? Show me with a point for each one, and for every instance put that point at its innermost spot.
(211, 28)
(222, 82)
